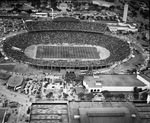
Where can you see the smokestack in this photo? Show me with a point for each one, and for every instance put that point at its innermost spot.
(125, 13)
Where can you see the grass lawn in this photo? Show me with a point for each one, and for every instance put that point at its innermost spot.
(7, 67)
(67, 52)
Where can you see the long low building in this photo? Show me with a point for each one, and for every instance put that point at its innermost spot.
(105, 115)
(49, 112)
(112, 83)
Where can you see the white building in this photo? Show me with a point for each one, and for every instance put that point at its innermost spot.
(114, 27)
(92, 86)
(112, 83)
(42, 15)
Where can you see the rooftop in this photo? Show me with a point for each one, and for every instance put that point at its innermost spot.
(15, 81)
(107, 115)
(78, 108)
(146, 77)
(114, 80)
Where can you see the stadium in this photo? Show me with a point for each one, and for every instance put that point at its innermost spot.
(66, 43)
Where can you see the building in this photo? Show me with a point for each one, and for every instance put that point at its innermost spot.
(103, 112)
(127, 27)
(49, 112)
(102, 3)
(145, 79)
(14, 81)
(44, 15)
(112, 83)
(106, 115)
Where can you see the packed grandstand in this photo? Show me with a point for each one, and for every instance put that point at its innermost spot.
(66, 25)
(71, 32)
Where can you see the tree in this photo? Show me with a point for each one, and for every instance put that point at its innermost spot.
(144, 96)
(49, 95)
(112, 8)
(105, 92)
(121, 96)
(19, 6)
(89, 96)
(28, 111)
(118, 7)
(135, 89)
(138, 37)
(108, 96)
(65, 95)
(112, 1)
(81, 95)
(29, 11)
(136, 95)
(38, 96)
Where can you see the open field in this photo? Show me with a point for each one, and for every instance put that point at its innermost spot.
(8, 67)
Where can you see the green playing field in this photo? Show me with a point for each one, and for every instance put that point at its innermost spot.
(70, 52)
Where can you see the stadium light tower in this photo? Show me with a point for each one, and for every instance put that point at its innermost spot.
(125, 13)
(52, 13)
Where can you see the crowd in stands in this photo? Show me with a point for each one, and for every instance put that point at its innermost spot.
(53, 25)
(9, 25)
(119, 49)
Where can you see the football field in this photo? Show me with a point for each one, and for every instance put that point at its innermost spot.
(67, 52)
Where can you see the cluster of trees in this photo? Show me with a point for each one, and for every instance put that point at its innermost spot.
(70, 76)
(109, 96)
(144, 96)
(136, 93)
(49, 95)
(86, 97)
(140, 94)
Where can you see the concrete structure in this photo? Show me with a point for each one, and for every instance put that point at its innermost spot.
(49, 112)
(145, 79)
(15, 81)
(102, 3)
(114, 27)
(125, 13)
(126, 28)
(105, 115)
(112, 83)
